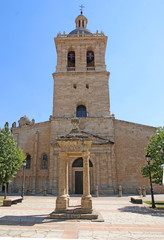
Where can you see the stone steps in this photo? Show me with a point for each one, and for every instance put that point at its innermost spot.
(78, 214)
(55, 215)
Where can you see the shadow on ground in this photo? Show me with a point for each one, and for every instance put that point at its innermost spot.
(143, 210)
(29, 220)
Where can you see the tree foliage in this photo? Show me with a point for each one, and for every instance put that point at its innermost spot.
(11, 157)
(155, 150)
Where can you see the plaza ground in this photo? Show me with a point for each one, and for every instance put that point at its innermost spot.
(122, 220)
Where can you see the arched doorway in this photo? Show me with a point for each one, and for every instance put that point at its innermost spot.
(77, 168)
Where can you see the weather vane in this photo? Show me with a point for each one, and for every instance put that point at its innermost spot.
(81, 8)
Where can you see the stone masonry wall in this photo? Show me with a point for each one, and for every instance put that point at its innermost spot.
(34, 140)
(89, 89)
(130, 141)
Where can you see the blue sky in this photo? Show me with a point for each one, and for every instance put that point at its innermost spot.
(134, 55)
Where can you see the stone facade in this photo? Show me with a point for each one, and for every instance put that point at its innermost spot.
(117, 150)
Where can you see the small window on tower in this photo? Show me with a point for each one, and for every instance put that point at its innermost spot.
(75, 86)
(81, 111)
(87, 85)
(79, 23)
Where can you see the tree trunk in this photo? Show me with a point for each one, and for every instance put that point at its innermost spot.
(5, 191)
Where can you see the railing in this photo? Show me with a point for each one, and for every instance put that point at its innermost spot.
(101, 34)
(90, 68)
(70, 68)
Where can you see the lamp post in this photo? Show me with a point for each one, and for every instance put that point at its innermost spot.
(162, 166)
(23, 178)
(151, 186)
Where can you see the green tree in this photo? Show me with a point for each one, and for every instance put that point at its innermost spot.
(155, 150)
(11, 157)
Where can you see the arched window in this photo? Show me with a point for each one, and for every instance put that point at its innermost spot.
(81, 111)
(79, 163)
(44, 161)
(71, 61)
(28, 161)
(90, 59)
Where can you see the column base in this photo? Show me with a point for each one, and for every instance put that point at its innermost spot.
(86, 202)
(33, 192)
(62, 203)
(68, 197)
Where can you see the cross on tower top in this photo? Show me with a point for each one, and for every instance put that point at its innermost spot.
(81, 9)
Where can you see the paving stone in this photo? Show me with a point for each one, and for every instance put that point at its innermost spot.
(123, 221)
(85, 234)
(3, 231)
(100, 235)
(14, 233)
(54, 234)
(29, 233)
(39, 235)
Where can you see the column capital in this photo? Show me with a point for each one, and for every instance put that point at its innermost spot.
(63, 154)
(86, 155)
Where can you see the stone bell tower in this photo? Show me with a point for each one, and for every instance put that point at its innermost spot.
(81, 80)
(81, 91)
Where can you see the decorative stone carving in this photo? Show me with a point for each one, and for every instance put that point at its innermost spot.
(97, 191)
(24, 121)
(120, 191)
(75, 145)
(75, 123)
(139, 191)
(143, 191)
(14, 125)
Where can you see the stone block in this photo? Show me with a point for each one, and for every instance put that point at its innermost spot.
(136, 200)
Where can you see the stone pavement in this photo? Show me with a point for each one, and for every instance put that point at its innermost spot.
(122, 220)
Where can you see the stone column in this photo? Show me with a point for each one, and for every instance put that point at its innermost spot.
(81, 58)
(66, 178)
(86, 200)
(66, 174)
(62, 199)
(35, 162)
(51, 170)
(97, 169)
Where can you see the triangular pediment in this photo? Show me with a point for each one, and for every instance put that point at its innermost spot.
(82, 135)
(96, 139)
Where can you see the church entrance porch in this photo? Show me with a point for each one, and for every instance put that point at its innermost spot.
(74, 145)
(62, 202)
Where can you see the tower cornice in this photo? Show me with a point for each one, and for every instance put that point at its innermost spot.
(58, 74)
(80, 36)
(73, 38)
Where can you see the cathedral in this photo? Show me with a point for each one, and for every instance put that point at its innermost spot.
(81, 125)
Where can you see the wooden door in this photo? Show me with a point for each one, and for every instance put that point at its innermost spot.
(78, 182)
